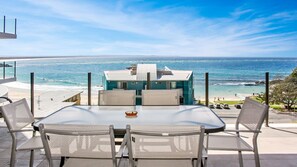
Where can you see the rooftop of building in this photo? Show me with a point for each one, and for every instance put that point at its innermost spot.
(139, 73)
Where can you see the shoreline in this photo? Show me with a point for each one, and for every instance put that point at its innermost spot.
(228, 76)
(18, 90)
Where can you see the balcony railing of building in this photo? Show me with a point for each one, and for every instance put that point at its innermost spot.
(8, 70)
(9, 28)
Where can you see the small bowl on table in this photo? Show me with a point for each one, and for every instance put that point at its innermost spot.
(131, 113)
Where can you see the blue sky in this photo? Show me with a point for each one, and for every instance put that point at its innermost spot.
(214, 28)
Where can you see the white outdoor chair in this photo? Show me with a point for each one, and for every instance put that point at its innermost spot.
(82, 145)
(251, 117)
(18, 118)
(3, 101)
(164, 145)
(117, 97)
(168, 97)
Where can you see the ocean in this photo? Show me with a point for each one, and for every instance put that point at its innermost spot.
(228, 76)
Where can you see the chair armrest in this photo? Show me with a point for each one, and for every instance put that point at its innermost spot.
(248, 131)
(23, 130)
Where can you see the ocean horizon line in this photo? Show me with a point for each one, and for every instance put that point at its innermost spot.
(15, 58)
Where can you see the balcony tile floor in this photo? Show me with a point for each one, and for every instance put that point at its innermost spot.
(277, 147)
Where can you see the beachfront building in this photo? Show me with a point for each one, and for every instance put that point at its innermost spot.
(147, 76)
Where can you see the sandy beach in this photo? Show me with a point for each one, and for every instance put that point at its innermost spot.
(17, 91)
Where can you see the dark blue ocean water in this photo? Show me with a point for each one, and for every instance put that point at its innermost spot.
(227, 75)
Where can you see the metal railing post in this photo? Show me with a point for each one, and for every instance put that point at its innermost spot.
(4, 70)
(206, 89)
(15, 69)
(267, 97)
(32, 111)
(148, 80)
(89, 88)
(15, 26)
(4, 25)
(32, 92)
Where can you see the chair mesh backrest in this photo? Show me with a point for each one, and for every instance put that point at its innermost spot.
(81, 141)
(17, 115)
(168, 142)
(252, 114)
(117, 97)
(160, 97)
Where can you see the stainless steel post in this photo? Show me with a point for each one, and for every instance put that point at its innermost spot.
(32, 92)
(267, 97)
(206, 89)
(15, 69)
(89, 88)
(4, 25)
(15, 26)
(3, 70)
(148, 81)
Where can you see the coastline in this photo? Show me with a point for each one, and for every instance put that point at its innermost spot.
(18, 90)
(227, 76)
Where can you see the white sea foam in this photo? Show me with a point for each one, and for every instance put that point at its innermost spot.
(60, 81)
(236, 84)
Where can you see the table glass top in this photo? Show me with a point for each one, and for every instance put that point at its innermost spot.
(147, 115)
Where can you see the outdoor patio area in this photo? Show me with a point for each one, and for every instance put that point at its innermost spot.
(143, 83)
(277, 147)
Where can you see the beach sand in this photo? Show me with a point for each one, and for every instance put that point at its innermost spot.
(16, 93)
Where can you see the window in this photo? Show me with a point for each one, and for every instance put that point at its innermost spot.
(125, 85)
(173, 85)
(119, 85)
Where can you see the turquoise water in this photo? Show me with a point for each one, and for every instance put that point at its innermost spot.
(228, 76)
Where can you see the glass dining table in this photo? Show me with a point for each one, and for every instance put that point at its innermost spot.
(146, 115)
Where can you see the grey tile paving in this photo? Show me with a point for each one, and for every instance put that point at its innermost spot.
(277, 147)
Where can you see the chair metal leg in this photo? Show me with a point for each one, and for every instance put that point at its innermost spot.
(240, 158)
(256, 154)
(32, 152)
(206, 150)
(31, 158)
(257, 159)
(13, 152)
(205, 162)
(12, 157)
(62, 161)
(195, 163)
